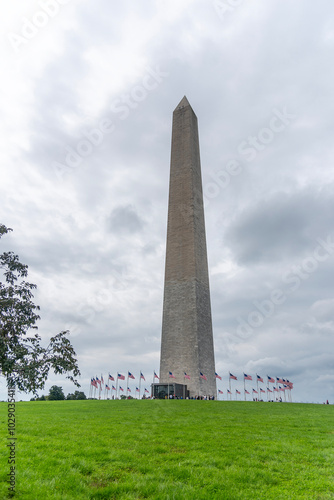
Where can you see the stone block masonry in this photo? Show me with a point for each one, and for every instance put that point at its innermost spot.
(187, 339)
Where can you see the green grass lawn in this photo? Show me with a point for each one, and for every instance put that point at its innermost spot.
(170, 450)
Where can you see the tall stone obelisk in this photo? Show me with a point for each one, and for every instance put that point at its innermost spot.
(187, 340)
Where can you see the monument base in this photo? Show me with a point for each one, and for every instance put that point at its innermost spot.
(169, 391)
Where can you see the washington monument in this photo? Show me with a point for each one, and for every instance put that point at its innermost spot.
(187, 340)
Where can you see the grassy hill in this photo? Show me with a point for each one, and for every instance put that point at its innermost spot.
(170, 450)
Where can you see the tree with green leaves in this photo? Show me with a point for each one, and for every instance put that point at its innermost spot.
(77, 395)
(56, 393)
(23, 360)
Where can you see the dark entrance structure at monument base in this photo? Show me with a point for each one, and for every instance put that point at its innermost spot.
(163, 391)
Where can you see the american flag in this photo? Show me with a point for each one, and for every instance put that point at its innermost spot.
(217, 376)
(220, 392)
(113, 388)
(186, 376)
(107, 387)
(130, 375)
(137, 390)
(142, 376)
(171, 375)
(247, 377)
(259, 379)
(233, 377)
(120, 376)
(121, 389)
(246, 392)
(129, 390)
(270, 379)
(111, 378)
(279, 380)
(281, 388)
(275, 389)
(147, 391)
(102, 379)
(93, 382)
(262, 390)
(228, 391)
(201, 375)
(255, 391)
(98, 381)
(238, 392)
(289, 384)
(156, 376)
(269, 390)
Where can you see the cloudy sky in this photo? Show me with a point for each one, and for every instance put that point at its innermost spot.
(87, 95)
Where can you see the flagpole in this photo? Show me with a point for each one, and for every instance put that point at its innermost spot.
(116, 384)
(229, 384)
(257, 386)
(127, 383)
(244, 387)
(139, 383)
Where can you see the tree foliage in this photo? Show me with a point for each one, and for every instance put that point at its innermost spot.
(77, 395)
(56, 393)
(23, 360)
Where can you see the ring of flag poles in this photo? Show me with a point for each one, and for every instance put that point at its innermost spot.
(286, 387)
(100, 389)
(103, 390)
